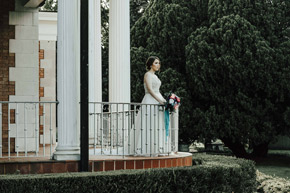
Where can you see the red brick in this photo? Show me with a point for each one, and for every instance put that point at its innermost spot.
(6, 59)
(41, 110)
(189, 161)
(90, 166)
(41, 92)
(10, 168)
(36, 168)
(109, 165)
(40, 129)
(41, 73)
(162, 163)
(139, 164)
(169, 163)
(2, 166)
(179, 161)
(130, 165)
(98, 166)
(73, 166)
(147, 164)
(24, 168)
(59, 167)
(12, 115)
(155, 163)
(120, 165)
(174, 162)
(47, 167)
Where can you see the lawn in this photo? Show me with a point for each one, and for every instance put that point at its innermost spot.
(277, 163)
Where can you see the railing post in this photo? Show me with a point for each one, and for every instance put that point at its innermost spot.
(50, 131)
(16, 138)
(9, 130)
(174, 125)
(102, 129)
(43, 129)
(123, 130)
(35, 129)
(1, 130)
(25, 130)
(117, 128)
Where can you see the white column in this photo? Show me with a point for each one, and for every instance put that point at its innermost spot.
(119, 51)
(95, 65)
(68, 62)
(95, 57)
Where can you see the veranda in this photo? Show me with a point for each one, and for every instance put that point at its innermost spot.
(40, 136)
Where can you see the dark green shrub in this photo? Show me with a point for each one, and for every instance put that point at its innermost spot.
(219, 174)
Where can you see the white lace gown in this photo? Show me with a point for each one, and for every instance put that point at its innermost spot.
(148, 137)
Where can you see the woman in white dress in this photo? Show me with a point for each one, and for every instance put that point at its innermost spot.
(149, 134)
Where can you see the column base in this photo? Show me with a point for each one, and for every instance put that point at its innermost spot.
(69, 153)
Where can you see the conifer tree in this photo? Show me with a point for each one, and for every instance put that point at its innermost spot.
(228, 61)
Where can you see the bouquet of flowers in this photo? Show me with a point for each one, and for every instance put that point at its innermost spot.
(172, 102)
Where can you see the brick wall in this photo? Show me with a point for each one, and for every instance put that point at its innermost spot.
(41, 89)
(6, 60)
(47, 90)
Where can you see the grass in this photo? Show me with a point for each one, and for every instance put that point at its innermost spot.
(277, 163)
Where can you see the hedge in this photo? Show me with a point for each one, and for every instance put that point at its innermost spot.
(234, 175)
(271, 184)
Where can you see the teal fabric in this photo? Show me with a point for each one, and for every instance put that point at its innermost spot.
(166, 115)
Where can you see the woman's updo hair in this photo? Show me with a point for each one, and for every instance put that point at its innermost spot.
(150, 61)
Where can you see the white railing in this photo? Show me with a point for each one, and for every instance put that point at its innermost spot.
(131, 129)
(27, 129)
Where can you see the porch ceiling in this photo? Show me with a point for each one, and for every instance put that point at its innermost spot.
(34, 3)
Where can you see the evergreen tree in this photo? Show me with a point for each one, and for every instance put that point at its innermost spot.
(163, 29)
(234, 72)
(137, 8)
(49, 5)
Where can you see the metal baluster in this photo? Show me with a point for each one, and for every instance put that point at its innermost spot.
(98, 127)
(9, 130)
(123, 129)
(155, 129)
(146, 129)
(16, 140)
(169, 134)
(43, 130)
(1, 129)
(151, 144)
(134, 121)
(50, 131)
(94, 128)
(102, 130)
(141, 128)
(25, 131)
(35, 129)
(163, 129)
(111, 129)
(129, 129)
(117, 129)
(158, 130)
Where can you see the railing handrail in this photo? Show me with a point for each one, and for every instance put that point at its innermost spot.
(4, 102)
(132, 103)
(121, 103)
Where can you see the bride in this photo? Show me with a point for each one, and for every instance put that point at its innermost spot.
(149, 135)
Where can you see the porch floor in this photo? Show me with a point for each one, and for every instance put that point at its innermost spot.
(40, 165)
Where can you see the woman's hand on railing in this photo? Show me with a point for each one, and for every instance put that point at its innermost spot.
(162, 101)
